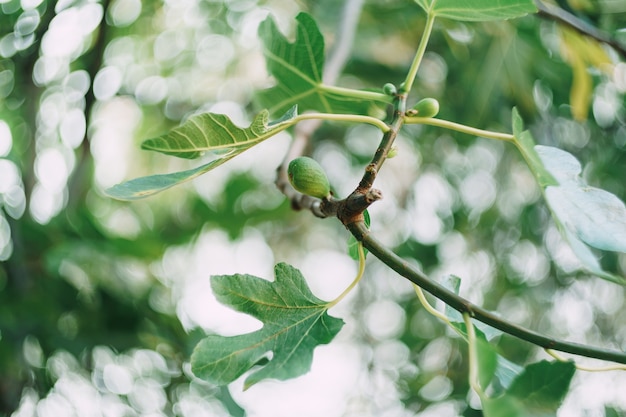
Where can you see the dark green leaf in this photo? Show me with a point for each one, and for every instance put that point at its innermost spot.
(206, 132)
(611, 412)
(295, 322)
(537, 392)
(298, 68)
(543, 385)
(478, 10)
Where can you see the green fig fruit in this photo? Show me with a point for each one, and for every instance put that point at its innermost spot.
(427, 107)
(390, 89)
(308, 177)
(392, 152)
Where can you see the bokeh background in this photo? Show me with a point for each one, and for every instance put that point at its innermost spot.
(101, 302)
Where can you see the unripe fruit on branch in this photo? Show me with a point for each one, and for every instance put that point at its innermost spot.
(427, 107)
(390, 89)
(308, 177)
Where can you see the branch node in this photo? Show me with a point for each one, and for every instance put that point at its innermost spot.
(371, 168)
(351, 209)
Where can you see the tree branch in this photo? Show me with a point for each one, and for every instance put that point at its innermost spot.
(350, 213)
(563, 17)
(362, 234)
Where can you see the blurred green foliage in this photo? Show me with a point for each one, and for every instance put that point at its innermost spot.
(82, 274)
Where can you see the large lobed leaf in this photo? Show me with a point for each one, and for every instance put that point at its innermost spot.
(585, 215)
(298, 69)
(478, 10)
(200, 134)
(294, 323)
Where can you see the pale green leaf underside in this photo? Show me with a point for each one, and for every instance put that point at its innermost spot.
(208, 132)
(478, 10)
(584, 215)
(595, 216)
(139, 188)
(294, 323)
(298, 68)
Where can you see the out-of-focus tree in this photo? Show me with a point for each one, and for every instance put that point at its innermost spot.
(102, 302)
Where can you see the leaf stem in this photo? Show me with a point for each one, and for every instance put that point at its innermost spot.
(419, 54)
(430, 308)
(360, 231)
(342, 118)
(358, 94)
(356, 280)
(473, 357)
(560, 358)
(459, 128)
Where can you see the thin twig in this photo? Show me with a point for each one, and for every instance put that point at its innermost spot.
(563, 17)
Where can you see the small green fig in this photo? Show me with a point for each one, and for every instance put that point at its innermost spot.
(427, 107)
(308, 177)
(390, 89)
(392, 152)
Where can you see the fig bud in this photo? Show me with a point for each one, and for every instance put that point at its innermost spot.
(308, 177)
(427, 107)
(390, 89)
